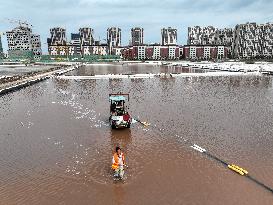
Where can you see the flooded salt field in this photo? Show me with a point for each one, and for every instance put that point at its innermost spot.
(11, 70)
(56, 144)
(131, 68)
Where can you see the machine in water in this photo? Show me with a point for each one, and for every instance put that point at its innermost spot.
(119, 116)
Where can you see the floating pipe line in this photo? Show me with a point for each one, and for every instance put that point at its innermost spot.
(232, 167)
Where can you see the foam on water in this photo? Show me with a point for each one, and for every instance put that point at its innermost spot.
(66, 153)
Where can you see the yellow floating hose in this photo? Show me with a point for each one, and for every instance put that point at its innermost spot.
(146, 124)
(243, 170)
(238, 169)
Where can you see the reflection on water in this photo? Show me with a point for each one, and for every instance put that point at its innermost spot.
(131, 69)
(56, 144)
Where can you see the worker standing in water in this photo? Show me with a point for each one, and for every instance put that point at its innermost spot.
(118, 163)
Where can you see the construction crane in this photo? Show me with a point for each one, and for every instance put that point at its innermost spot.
(20, 22)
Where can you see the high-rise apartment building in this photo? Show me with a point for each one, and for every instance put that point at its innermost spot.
(225, 36)
(36, 45)
(114, 37)
(253, 41)
(22, 42)
(57, 43)
(137, 36)
(81, 43)
(168, 36)
(211, 36)
(58, 37)
(86, 36)
(202, 36)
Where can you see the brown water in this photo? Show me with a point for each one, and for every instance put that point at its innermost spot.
(56, 144)
(21, 70)
(136, 68)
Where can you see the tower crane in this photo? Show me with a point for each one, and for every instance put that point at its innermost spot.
(20, 23)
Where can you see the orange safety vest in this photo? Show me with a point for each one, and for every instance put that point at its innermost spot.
(115, 165)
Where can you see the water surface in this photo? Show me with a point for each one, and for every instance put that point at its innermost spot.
(56, 143)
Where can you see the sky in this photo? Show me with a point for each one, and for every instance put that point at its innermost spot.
(152, 15)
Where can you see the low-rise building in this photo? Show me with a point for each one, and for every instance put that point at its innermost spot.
(204, 36)
(152, 52)
(57, 43)
(205, 52)
(75, 44)
(156, 52)
(141, 52)
(118, 51)
(102, 50)
(58, 50)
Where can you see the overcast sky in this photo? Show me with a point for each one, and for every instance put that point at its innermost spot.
(152, 15)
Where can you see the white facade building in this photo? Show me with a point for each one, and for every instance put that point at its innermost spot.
(192, 52)
(96, 50)
(141, 51)
(221, 51)
(171, 52)
(117, 51)
(156, 52)
(207, 52)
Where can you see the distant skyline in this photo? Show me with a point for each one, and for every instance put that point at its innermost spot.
(152, 15)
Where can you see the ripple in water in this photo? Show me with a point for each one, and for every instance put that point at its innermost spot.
(68, 147)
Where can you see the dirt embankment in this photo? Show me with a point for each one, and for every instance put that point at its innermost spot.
(16, 79)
